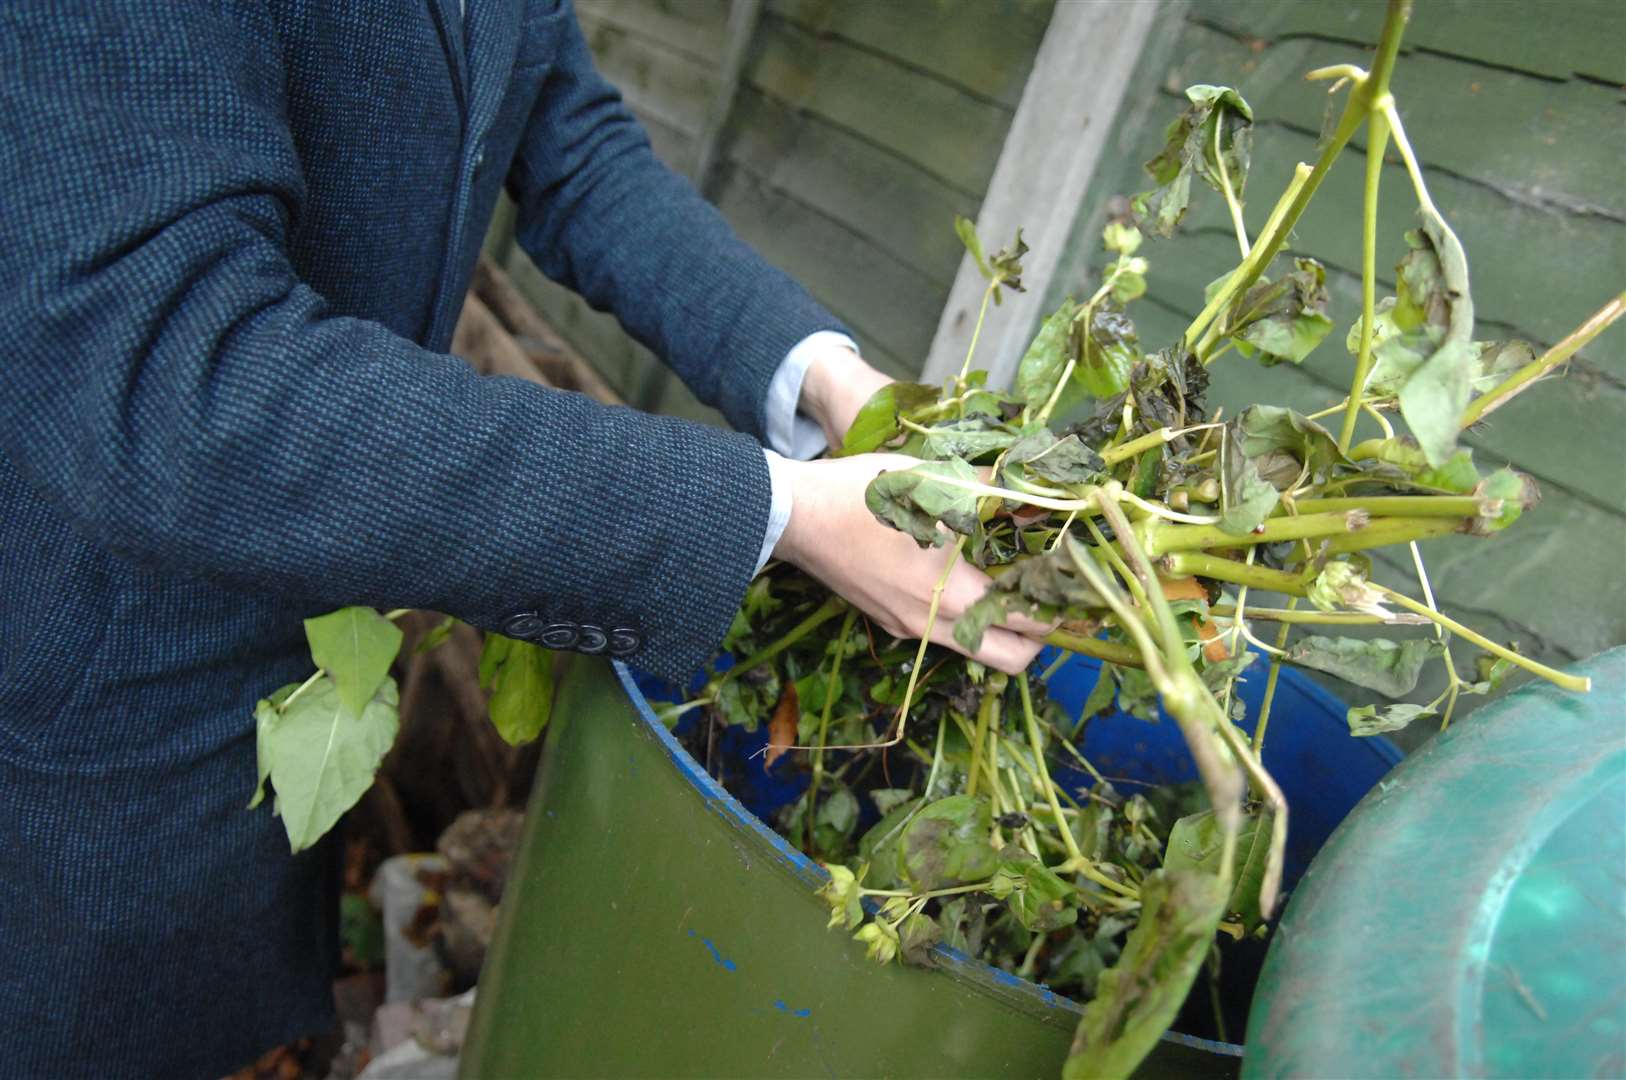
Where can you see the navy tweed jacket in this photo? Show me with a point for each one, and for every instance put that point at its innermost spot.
(236, 237)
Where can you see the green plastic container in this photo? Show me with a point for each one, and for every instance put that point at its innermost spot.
(653, 928)
(1468, 919)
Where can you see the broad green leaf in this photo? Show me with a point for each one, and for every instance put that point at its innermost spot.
(1389, 667)
(1045, 358)
(1197, 842)
(914, 500)
(964, 923)
(877, 422)
(356, 646)
(323, 756)
(520, 678)
(1497, 360)
(1371, 720)
(1138, 997)
(948, 843)
(880, 845)
(833, 821)
(1435, 396)
(1246, 497)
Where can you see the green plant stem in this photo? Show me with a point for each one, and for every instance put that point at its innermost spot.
(1567, 681)
(1453, 687)
(976, 332)
(1303, 618)
(824, 720)
(822, 614)
(316, 676)
(1201, 564)
(1037, 745)
(1382, 532)
(925, 638)
(987, 714)
(1231, 202)
(1113, 652)
(1270, 684)
(1377, 143)
(1526, 376)
(1448, 506)
(1165, 539)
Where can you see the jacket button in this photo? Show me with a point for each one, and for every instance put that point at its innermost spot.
(559, 635)
(592, 640)
(523, 625)
(624, 641)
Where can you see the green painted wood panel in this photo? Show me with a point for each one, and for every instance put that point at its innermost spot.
(696, 28)
(985, 47)
(897, 206)
(937, 126)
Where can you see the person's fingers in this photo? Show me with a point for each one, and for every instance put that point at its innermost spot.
(1028, 625)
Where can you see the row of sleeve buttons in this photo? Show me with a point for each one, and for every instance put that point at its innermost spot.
(577, 637)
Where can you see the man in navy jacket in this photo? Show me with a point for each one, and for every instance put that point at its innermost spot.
(237, 234)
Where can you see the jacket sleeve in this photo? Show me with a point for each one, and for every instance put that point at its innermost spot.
(179, 396)
(599, 214)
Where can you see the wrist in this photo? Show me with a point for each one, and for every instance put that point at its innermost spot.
(837, 384)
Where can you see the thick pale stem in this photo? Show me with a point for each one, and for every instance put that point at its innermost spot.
(1377, 143)
(1567, 681)
(976, 332)
(1113, 652)
(1270, 682)
(1448, 506)
(1201, 564)
(1526, 376)
(1165, 539)
(987, 715)
(1382, 532)
(1315, 618)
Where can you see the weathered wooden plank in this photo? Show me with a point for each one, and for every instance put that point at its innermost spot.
(656, 80)
(945, 131)
(1557, 40)
(987, 46)
(1555, 144)
(906, 211)
(891, 306)
(1050, 154)
(697, 28)
(743, 17)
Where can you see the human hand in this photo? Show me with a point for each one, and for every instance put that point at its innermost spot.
(833, 536)
(837, 384)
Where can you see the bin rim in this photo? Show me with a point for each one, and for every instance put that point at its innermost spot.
(949, 961)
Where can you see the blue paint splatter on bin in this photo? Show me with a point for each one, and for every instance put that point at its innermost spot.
(722, 961)
(800, 1013)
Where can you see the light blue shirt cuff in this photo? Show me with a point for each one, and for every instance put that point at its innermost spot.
(791, 434)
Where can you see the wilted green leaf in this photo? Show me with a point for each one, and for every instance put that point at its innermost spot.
(1045, 358)
(1060, 461)
(1197, 843)
(520, 678)
(913, 500)
(320, 755)
(1042, 586)
(916, 936)
(1189, 149)
(880, 845)
(1284, 319)
(1371, 720)
(1432, 300)
(1138, 997)
(1108, 350)
(1265, 428)
(948, 843)
(833, 821)
(967, 439)
(877, 422)
(1389, 667)
(1034, 893)
(1246, 497)
(356, 646)
(1506, 495)
(966, 229)
(842, 895)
